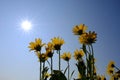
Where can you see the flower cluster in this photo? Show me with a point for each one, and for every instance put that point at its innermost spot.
(113, 71)
(86, 70)
(37, 45)
(85, 60)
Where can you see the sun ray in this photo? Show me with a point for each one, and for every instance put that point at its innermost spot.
(26, 25)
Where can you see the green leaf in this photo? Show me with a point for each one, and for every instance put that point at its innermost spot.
(57, 75)
(72, 74)
(45, 70)
(65, 70)
(48, 62)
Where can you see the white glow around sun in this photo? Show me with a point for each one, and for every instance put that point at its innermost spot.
(26, 25)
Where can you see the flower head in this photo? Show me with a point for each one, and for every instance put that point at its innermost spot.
(98, 77)
(36, 46)
(111, 64)
(88, 38)
(118, 73)
(57, 43)
(49, 53)
(49, 46)
(114, 77)
(66, 56)
(49, 49)
(46, 75)
(110, 71)
(110, 68)
(103, 77)
(78, 54)
(42, 57)
(79, 29)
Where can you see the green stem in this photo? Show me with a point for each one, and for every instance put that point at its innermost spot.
(40, 70)
(59, 60)
(89, 66)
(40, 67)
(86, 59)
(51, 65)
(89, 49)
(68, 69)
(43, 71)
(92, 50)
(93, 66)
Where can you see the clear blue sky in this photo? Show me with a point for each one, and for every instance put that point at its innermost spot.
(52, 18)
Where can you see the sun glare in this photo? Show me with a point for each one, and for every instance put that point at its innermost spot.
(26, 25)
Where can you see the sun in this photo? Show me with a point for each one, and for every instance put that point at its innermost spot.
(26, 25)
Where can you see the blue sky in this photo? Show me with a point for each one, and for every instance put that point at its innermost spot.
(50, 19)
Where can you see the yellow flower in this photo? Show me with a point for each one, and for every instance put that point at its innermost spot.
(103, 77)
(78, 54)
(31, 46)
(49, 46)
(88, 38)
(57, 43)
(36, 45)
(111, 64)
(117, 75)
(110, 71)
(49, 53)
(110, 68)
(114, 77)
(79, 29)
(66, 56)
(49, 49)
(46, 75)
(42, 57)
(98, 77)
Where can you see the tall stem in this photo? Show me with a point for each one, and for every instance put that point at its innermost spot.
(43, 71)
(89, 49)
(51, 65)
(40, 69)
(68, 69)
(59, 60)
(85, 51)
(92, 50)
(93, 63)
